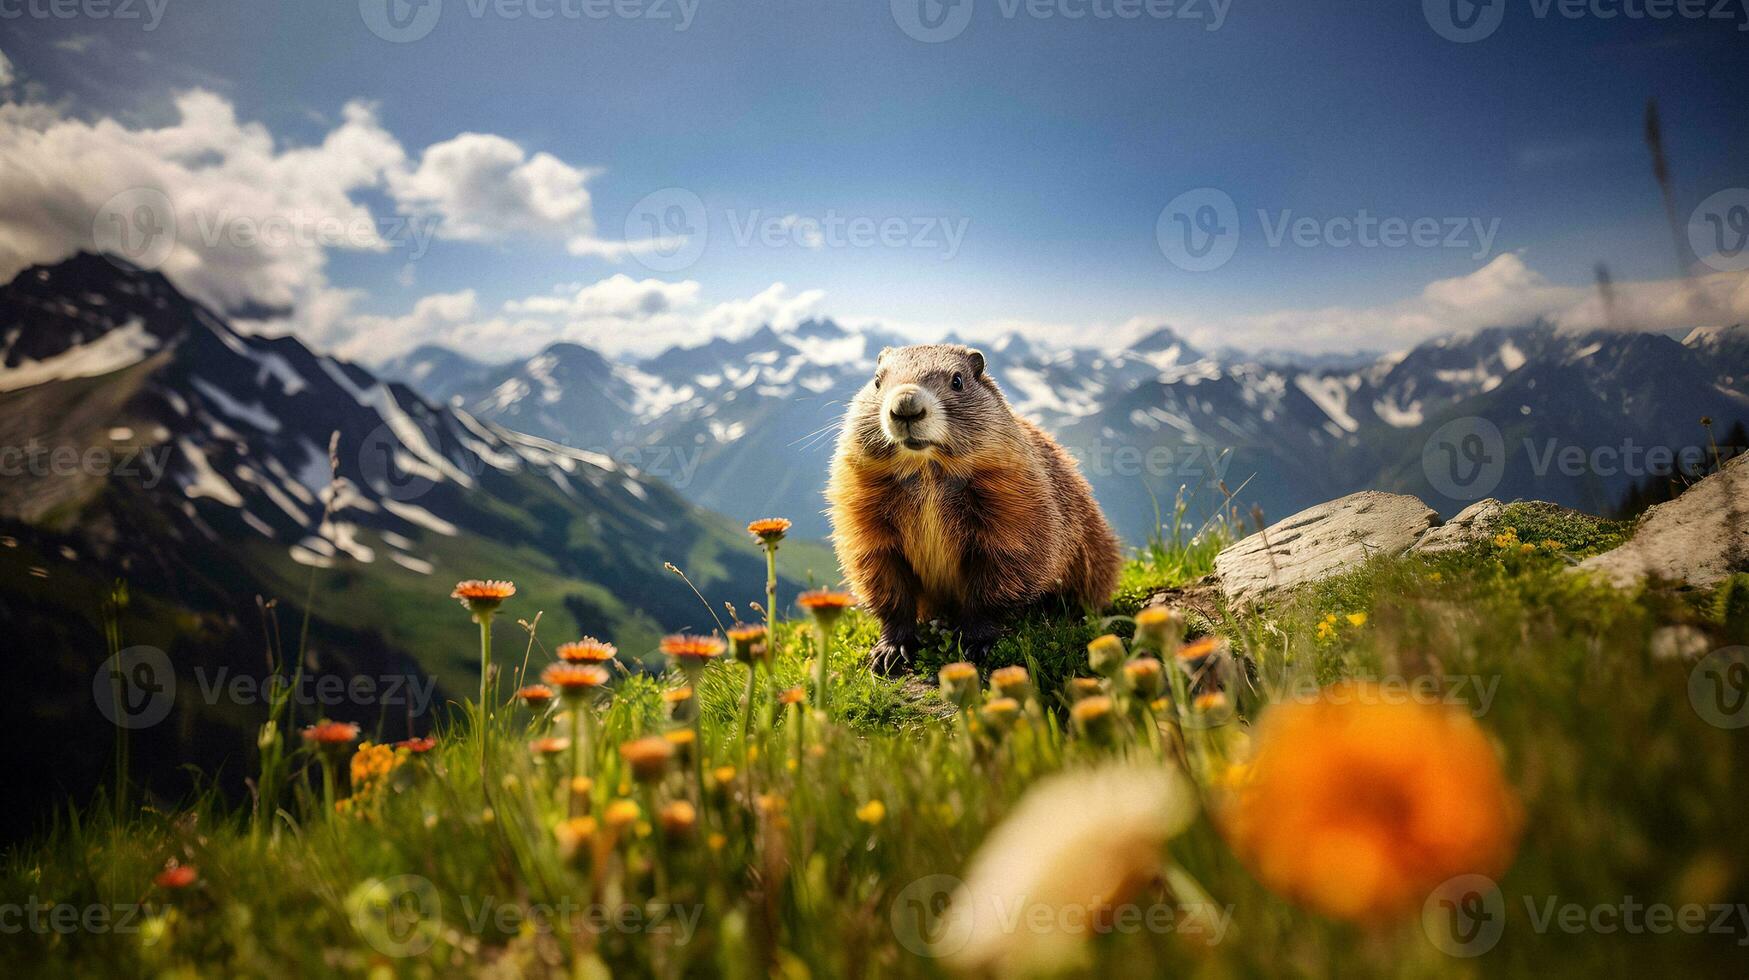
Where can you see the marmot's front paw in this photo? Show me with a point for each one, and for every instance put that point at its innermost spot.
(892, 656)
(977, 637)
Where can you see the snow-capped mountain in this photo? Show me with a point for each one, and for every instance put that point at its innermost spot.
(144, 440)
(747, 425)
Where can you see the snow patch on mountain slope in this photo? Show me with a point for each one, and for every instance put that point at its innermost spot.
(1038, 395)
(1401, 417)
(255, 415)
(202, 480)
(655, 396)
(122, 347)
(414, 514)
(831, 351)
(1331, 396)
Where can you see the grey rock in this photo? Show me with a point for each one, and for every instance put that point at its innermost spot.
(1681, 642)
(1699, 538)
(1321, 541)
(1477, 522)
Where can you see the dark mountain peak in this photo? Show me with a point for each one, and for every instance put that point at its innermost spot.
(57, 307)
(819, 329)
(1012, 346)
(1161, 340)
(574, 356)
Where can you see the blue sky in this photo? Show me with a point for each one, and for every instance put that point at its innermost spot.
(1050, 145)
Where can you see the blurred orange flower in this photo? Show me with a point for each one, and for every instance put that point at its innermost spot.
(692, 651)
(1359, 808)
(331, 734)
(176, 876)
(588, 650)
(574, 680)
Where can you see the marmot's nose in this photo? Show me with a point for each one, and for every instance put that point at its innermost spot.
(907, 408)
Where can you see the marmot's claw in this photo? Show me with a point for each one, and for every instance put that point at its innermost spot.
(977, 639)
(892, 657)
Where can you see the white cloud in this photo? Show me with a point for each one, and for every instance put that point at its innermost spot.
(246, 217)
(588, 245)
(254, 221)
(618, 315)
(7, 75)
(618, 296)
(1505, 292)
(486, 187)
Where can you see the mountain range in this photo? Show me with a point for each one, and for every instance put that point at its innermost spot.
(747, 425)
(234, 483)
(144, 440)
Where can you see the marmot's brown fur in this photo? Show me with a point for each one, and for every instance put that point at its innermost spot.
(945, 503)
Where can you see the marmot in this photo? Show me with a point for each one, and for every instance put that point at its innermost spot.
(945, 503)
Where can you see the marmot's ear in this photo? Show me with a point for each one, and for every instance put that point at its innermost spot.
(882, 355)
(977, 359)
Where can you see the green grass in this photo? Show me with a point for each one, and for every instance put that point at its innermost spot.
(1628, 793)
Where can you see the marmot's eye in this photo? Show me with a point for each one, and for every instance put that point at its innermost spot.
(957, 383)
(877, 382)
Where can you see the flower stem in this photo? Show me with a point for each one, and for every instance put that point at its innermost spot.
(485, 703)
(824, 638)
(576, 755)
(327, 786)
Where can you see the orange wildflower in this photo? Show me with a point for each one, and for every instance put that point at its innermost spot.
(1358, 808)
(769, 531)
(331, 734)
(1199, 648)
(648, 757)
(748, 644)
(536, 696)
(176, 876)
(549, 746)
(588, 650)
(575, 680)
(482, 598)
(692, 652)
(826, 605)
